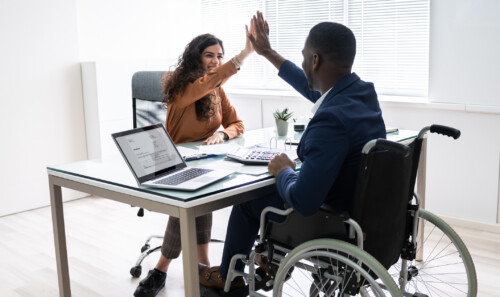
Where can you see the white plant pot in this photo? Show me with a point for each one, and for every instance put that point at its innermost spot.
(281, 127)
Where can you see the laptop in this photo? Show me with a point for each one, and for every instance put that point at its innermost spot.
(154, 160)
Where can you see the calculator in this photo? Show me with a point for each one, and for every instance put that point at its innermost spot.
(253, 156)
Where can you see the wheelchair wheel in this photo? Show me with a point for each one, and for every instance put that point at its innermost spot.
(446, 268)
(330, 267)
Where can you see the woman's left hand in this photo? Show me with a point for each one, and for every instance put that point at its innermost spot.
(248, 45)
(217, 137)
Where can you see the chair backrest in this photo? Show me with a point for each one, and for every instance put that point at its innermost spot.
(381, 200)
(147, 97)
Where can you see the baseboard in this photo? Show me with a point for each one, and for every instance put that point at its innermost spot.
(480, 226)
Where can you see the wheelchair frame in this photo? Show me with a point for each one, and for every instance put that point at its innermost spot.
(357, 268)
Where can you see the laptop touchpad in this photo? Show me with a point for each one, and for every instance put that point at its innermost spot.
(205, 179)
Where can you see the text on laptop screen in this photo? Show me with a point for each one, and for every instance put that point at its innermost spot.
(149, 151)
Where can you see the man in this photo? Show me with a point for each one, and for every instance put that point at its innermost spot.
(346, 116)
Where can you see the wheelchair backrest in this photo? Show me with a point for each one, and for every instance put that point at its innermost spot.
(381, 202)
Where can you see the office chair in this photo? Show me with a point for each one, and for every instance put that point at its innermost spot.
(147, 99)
(147, 109)
(367, 251)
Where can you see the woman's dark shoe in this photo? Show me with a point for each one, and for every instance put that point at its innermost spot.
(151, 284)
(211, 278)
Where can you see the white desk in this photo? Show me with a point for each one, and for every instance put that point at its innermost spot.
(110, 178)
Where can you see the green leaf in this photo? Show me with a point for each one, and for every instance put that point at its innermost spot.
(284, 114)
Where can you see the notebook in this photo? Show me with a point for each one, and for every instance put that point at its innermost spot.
(154, 160)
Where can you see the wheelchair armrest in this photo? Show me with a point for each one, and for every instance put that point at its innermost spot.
(267, 210)
(354, 228)
(328, 208)
(325, 207)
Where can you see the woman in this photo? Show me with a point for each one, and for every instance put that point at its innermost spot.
(197, 106)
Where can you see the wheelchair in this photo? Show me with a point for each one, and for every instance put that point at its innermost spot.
(386, 246)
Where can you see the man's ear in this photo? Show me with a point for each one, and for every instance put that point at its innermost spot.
(315, 62)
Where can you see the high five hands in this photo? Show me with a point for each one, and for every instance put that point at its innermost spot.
(259, 37)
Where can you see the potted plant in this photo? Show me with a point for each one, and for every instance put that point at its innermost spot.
(281, 118)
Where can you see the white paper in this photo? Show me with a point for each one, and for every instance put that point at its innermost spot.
(253, 169)
(186, 152)
(217, 149)
(238, 167)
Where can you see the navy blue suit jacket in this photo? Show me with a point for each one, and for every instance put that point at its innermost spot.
(330, 147)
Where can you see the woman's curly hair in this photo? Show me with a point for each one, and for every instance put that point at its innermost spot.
(189, 69)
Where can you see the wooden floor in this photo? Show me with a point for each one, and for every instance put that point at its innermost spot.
(104, 239)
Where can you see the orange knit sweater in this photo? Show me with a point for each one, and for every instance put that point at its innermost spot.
(182, 123)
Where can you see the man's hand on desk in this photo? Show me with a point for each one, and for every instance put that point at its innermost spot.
(279, 163)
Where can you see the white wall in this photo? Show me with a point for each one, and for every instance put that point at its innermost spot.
(463, 174)
(464, 51)
(41, 115)
(118, 38)
(43, 43)
(136, 29)
(464, 63)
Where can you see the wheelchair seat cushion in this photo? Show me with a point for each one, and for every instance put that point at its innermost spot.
(297, 229)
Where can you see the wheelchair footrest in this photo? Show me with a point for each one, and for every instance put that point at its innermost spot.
(262, 284)
(211, 292)
(239, 292)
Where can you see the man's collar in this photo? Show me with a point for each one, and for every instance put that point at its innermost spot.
(319, 101)
(337, 88)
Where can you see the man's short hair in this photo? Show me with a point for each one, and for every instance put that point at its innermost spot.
(334, 41)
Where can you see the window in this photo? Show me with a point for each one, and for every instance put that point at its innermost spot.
(392, 38)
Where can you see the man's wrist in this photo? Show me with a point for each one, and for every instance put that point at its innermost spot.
(268, 53)
(273, 57)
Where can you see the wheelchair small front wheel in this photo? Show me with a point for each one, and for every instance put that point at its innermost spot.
(136, 271)
(330, 267)
(145, 247)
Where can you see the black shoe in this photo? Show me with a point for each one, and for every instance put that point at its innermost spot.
(152, 284)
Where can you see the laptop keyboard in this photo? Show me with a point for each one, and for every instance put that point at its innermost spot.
(183, 176)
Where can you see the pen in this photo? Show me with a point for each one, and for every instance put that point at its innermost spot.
(197, 157)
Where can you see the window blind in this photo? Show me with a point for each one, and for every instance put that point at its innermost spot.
(392, 38)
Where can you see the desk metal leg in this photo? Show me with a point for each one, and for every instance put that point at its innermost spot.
(189, 252)
(421, 180)
(56, 206)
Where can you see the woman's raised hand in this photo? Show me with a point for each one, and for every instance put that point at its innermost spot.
(248, 45)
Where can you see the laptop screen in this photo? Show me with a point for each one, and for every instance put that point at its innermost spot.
(149, 151)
